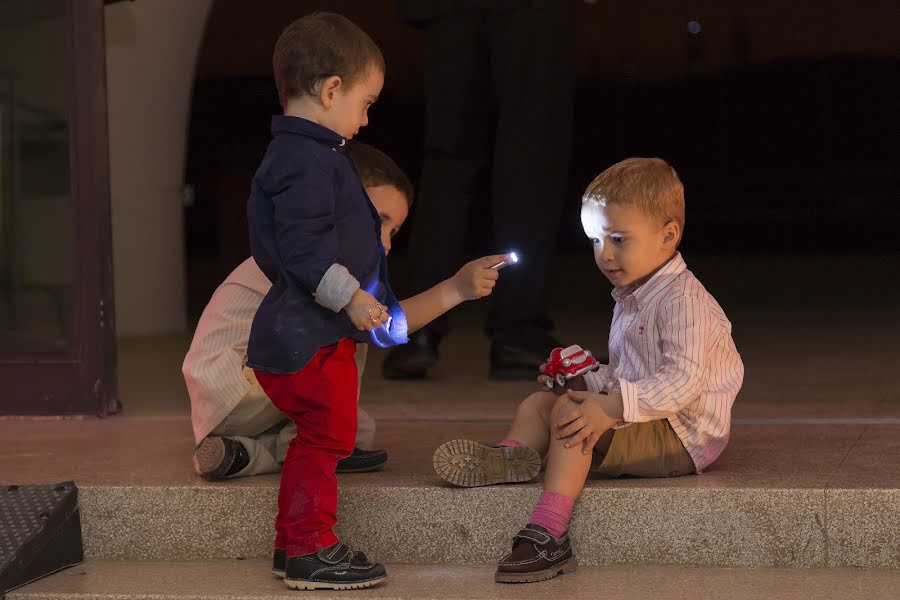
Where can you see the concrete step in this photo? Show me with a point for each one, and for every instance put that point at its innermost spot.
(781, 496)
(748, 527)
(252, 580)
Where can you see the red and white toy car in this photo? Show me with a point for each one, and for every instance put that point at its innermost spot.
(566, 363)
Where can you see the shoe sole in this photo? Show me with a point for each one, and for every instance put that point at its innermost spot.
(567, 567)
(302, 584)
(465, 463)
(278, 574)
(209, 456)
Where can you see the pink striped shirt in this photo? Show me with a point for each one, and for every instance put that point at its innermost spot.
(672, 357)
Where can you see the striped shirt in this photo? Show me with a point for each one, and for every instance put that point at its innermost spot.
(672, 357)
(214, 366)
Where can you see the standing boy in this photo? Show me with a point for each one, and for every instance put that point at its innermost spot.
(315, 235)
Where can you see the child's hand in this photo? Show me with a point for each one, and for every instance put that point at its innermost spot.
(365, 311)
(583, 421)
(475, 280)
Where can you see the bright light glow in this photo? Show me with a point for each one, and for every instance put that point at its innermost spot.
(513, 257)
(592, 219)
(393, 332)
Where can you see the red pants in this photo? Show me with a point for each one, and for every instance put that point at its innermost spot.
(321, 400)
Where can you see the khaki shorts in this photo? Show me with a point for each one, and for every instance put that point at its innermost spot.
(649, 449)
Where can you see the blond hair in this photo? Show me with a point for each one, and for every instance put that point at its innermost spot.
(651, 184)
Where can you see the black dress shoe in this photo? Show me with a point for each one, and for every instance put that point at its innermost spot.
(220, 457)
(362, 461)
(519, 359)
(413, 359)
(334, 568)
(536, 555)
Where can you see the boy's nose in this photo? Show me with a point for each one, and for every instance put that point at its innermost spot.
(606, 253)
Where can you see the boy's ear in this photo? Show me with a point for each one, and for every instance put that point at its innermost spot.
(328, 89)
(671, 233)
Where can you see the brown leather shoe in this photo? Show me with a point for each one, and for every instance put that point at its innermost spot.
(536, 555)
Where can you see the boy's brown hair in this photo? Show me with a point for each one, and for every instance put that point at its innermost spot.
(377, 168)
(318, 46)
(651, 184)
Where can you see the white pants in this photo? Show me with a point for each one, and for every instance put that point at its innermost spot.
(266, 433)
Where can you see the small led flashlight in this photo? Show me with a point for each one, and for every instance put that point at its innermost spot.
(513, 259)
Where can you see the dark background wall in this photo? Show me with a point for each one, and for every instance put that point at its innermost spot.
(781, 118)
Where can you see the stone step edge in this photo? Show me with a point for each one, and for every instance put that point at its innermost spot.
(706, 527)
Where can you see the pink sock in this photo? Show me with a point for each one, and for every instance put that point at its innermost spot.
(553, 512)
(508, 442)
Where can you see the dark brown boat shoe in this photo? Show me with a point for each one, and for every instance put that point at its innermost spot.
(536, 555)
(469, 464)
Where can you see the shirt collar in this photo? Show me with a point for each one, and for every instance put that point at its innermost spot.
(650, 288)
(301, 126)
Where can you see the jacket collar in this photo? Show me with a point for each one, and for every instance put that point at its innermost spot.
(301, 126)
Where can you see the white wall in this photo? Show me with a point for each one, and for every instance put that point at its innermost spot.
(151, 51)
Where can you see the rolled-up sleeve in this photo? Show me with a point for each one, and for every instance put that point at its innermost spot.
(684, 327)
(336, 288)
(307, 238)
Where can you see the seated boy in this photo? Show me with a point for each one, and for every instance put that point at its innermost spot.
(660, 408)
(237, 429)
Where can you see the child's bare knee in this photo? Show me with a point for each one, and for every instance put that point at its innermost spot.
(560, 404)
(537, 404)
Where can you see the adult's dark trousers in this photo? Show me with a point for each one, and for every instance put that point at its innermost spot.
(499, 97)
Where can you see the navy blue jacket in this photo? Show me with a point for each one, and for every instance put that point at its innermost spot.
(307, 211)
